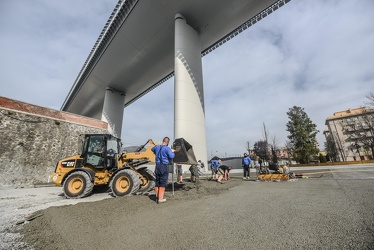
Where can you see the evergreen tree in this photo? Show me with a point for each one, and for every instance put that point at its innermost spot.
(303, 134)
(332, 151)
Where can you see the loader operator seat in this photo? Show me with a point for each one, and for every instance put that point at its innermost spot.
(95, 154)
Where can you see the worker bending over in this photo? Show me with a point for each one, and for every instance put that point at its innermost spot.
(224, 173)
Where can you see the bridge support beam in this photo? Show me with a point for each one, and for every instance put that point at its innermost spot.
(189, 114)
(113, 109)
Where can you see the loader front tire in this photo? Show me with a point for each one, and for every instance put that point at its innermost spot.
(125, 182)
(78, 185)
(148, 184)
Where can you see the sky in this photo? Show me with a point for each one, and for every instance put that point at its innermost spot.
(318, 55)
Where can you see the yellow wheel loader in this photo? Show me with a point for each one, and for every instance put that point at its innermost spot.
(101, 164)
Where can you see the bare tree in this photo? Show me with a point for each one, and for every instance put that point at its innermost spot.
(274, 142)
(274, 148)
(265, 135)
(248, 146)
(289, 147)
(370, 100)
(261, 149)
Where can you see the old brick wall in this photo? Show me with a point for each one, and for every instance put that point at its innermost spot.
(33, 139)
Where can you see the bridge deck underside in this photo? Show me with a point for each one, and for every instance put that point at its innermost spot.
(141, 53)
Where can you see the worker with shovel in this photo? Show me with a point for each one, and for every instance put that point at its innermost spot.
(164, 156)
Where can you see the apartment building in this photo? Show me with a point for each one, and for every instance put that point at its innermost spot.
(350, 130)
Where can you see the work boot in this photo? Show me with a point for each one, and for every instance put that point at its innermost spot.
(161, 193)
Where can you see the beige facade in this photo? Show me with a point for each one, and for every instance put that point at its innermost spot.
(282, 153)
(345, 128)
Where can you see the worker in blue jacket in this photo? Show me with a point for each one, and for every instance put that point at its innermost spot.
(164, 156)
(214, 165)
(246, 162)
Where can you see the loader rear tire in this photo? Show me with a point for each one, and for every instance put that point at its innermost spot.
(125, 182)
(149, 183)
(78, 185)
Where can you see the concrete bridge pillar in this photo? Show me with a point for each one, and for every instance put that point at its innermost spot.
(113, 109)
(189, 114)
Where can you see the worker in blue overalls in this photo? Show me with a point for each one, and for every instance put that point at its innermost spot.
(164, 156)
(246, 163)
(214, 167)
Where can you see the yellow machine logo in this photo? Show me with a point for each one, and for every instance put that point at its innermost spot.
(68, 164)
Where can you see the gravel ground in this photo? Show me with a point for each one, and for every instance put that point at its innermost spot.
(16, 203)
(330, 211)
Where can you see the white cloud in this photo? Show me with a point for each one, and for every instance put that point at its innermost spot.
(313, 54)
(44, 45)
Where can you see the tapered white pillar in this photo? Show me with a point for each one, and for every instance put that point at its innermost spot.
(113, 109)
(189, 114)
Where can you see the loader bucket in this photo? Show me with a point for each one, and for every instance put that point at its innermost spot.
(185, 154)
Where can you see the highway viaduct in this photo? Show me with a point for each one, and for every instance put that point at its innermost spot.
(144, 43)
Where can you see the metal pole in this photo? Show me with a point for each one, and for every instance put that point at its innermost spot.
(172, 178)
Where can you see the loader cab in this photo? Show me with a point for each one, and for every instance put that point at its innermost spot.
(100, 151)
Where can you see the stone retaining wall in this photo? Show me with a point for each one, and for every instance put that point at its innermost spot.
(34, 138)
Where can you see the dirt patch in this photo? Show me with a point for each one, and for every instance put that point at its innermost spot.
(68, 227)
(188, 190)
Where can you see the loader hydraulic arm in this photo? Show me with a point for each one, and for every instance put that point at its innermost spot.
(138, 155)
(151, 143)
